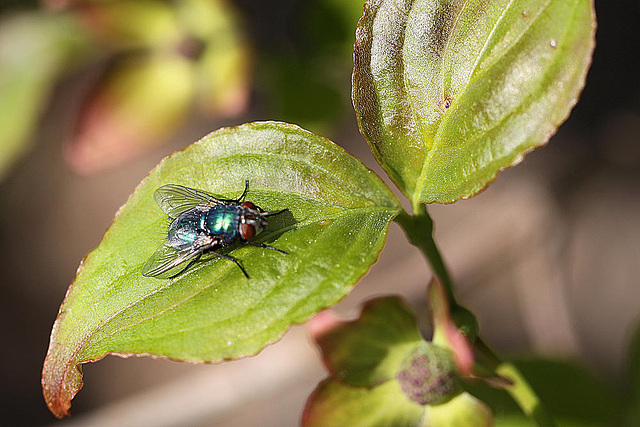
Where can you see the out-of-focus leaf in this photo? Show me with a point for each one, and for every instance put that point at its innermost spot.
(370, 350)
(131, 23)
(634, 363)
(304, 67)
(570, 391)
(224, 66)
(205, 19)
(463, 410)
(225, 75)
(448, 93)
(334, 404)
(334, 40)
(35, 49)
(296, 91)
(572, 395)
(338, 216)
(139, 101)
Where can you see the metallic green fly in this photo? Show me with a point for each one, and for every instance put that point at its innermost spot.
(203, 224)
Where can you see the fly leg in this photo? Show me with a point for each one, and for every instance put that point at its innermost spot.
(193, 261)
(272, 213)
(230, 258)
(262, 245)
(244, 193)
(240, 199)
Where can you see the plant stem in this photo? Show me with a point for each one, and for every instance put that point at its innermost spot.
(419, 230)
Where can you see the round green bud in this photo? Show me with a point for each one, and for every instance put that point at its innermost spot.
(428, 375)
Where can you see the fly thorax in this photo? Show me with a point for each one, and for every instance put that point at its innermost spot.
(222, 221)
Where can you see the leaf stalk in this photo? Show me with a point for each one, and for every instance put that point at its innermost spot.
(419, 230)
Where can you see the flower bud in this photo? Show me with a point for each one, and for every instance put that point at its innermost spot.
(428, 375)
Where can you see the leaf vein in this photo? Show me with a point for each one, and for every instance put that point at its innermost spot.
(437, 136)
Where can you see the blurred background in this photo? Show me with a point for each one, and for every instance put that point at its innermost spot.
(93, 94)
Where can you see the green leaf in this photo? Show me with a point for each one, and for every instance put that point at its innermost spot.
(573, 396)
(35, 49)
(225, 66)
(334, 403)
(371, 349)
(339, 213)
(337, 404)
(571, 392)
(132, 23)
(448, 93)
(464, 410)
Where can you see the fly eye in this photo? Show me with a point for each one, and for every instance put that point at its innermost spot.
(248, 205)
(247, 230)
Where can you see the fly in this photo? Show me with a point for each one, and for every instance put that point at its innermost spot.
(203, 224)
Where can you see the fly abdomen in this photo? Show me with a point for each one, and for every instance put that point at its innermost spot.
(183, 231)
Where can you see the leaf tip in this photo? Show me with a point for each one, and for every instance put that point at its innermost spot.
(58, 388)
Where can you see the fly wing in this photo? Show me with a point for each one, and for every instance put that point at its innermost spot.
(166, 258)
(175, 199)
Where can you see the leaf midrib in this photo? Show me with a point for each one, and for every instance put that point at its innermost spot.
(437, 136)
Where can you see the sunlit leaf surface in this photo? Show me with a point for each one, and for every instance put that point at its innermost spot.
(448, 93)
(339, 213)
